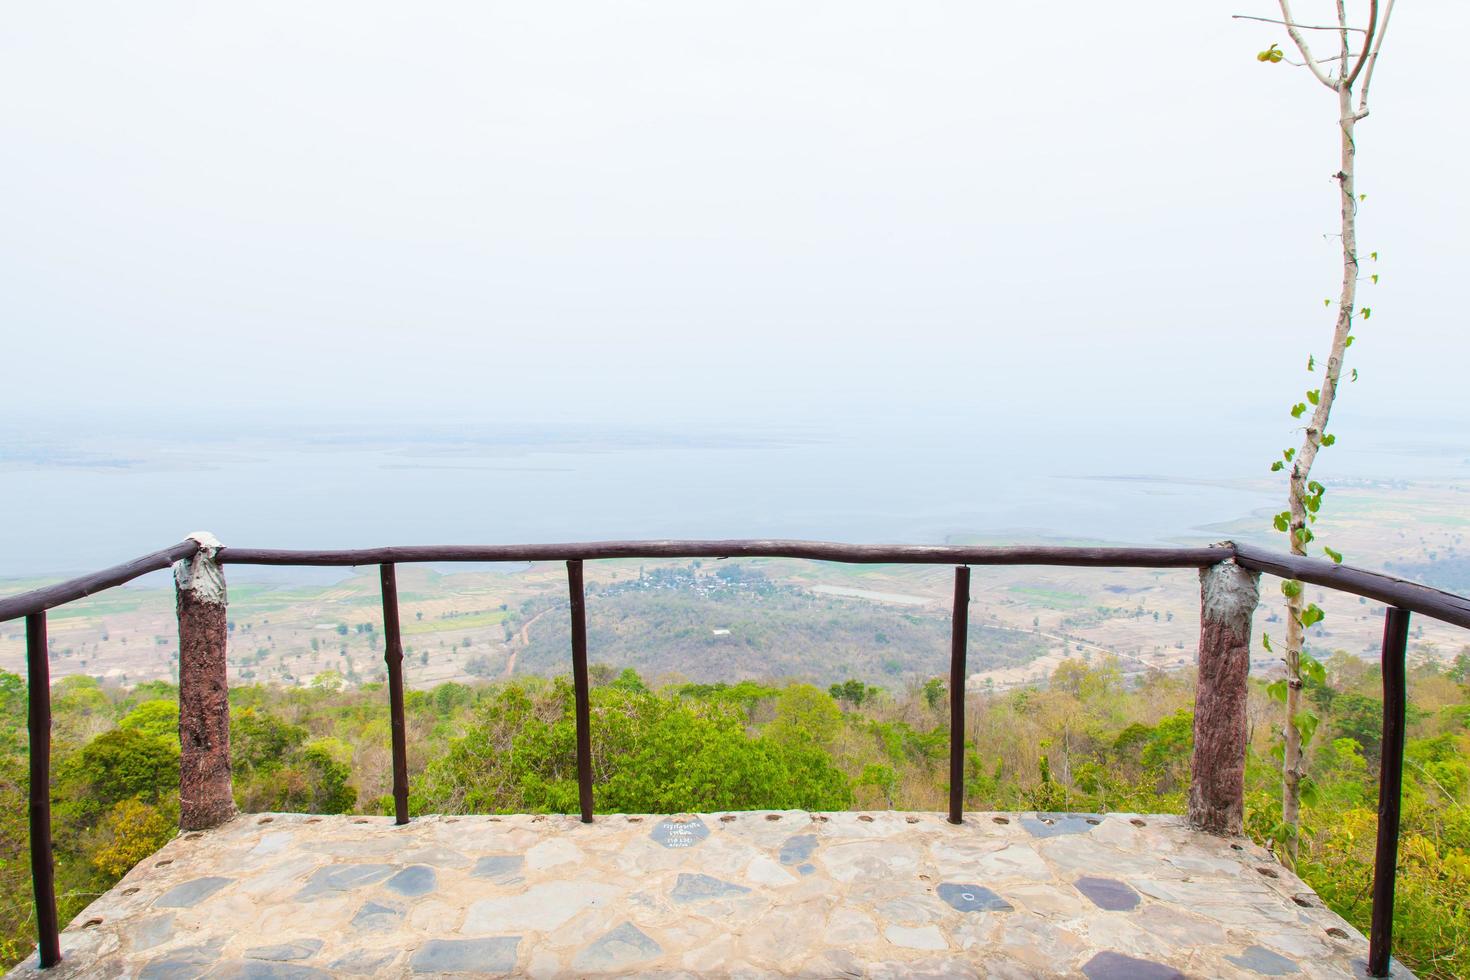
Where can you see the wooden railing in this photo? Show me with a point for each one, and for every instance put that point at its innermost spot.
(1229, 576)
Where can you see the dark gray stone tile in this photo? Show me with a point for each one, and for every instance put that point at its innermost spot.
(188, 963)
(1109, 965)
(1108, 894)
(1057, 824)
(497, 955)
(621, 947)
(701, 887)
(972, 898)
(173, 967)
(1266, 962)
(501, 868)
(363, 963)
(342, 877)
(191, 893)
(257, 970)
(797, 849)
(152, 931)
(301, 949)
(376, 917)
(412, 881)
(679, 833)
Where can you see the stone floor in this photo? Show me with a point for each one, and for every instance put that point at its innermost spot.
(1119, 897)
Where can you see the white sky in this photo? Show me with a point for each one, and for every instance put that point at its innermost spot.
(1062, 211)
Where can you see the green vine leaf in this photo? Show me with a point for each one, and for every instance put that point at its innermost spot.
(1313, 670)
(1311, 795)
(1315, 396)
(1298, 409)
(1336, 556)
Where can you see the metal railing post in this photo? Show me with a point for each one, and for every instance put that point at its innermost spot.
(393, 657)
(579, 682)
(38, 723)
(1390, 789)
(959, 634)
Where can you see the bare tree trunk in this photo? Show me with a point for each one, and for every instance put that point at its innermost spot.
(1228, 597)
(1301, 492)
(206, 797)
(1291, 770)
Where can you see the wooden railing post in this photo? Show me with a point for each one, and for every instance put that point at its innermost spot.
(38, 724)
(393, 658)
(959, 635)
(581, 687)
(1390, 789)
(206, 791)
(1228, 597)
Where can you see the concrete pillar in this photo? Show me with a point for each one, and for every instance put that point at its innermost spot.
(1228, 597)
(206, 791)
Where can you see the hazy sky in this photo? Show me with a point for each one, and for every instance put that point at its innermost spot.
(1070, 214)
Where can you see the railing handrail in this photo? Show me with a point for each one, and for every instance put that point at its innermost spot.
(1434, 603)
(51, 596)
(861, 554)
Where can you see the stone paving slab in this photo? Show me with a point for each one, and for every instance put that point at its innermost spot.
(750, 894)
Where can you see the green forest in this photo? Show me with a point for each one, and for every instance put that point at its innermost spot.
(1088, 741)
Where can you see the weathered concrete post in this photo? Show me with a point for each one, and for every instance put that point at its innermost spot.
(1228, 597)
(206, 792)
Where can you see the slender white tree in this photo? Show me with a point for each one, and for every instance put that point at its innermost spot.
(1348, 74)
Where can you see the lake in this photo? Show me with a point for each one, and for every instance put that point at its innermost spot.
(81, 498)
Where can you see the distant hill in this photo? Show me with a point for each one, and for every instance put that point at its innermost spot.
(741, 626)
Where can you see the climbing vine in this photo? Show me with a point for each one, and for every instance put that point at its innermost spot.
(1342, 74)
